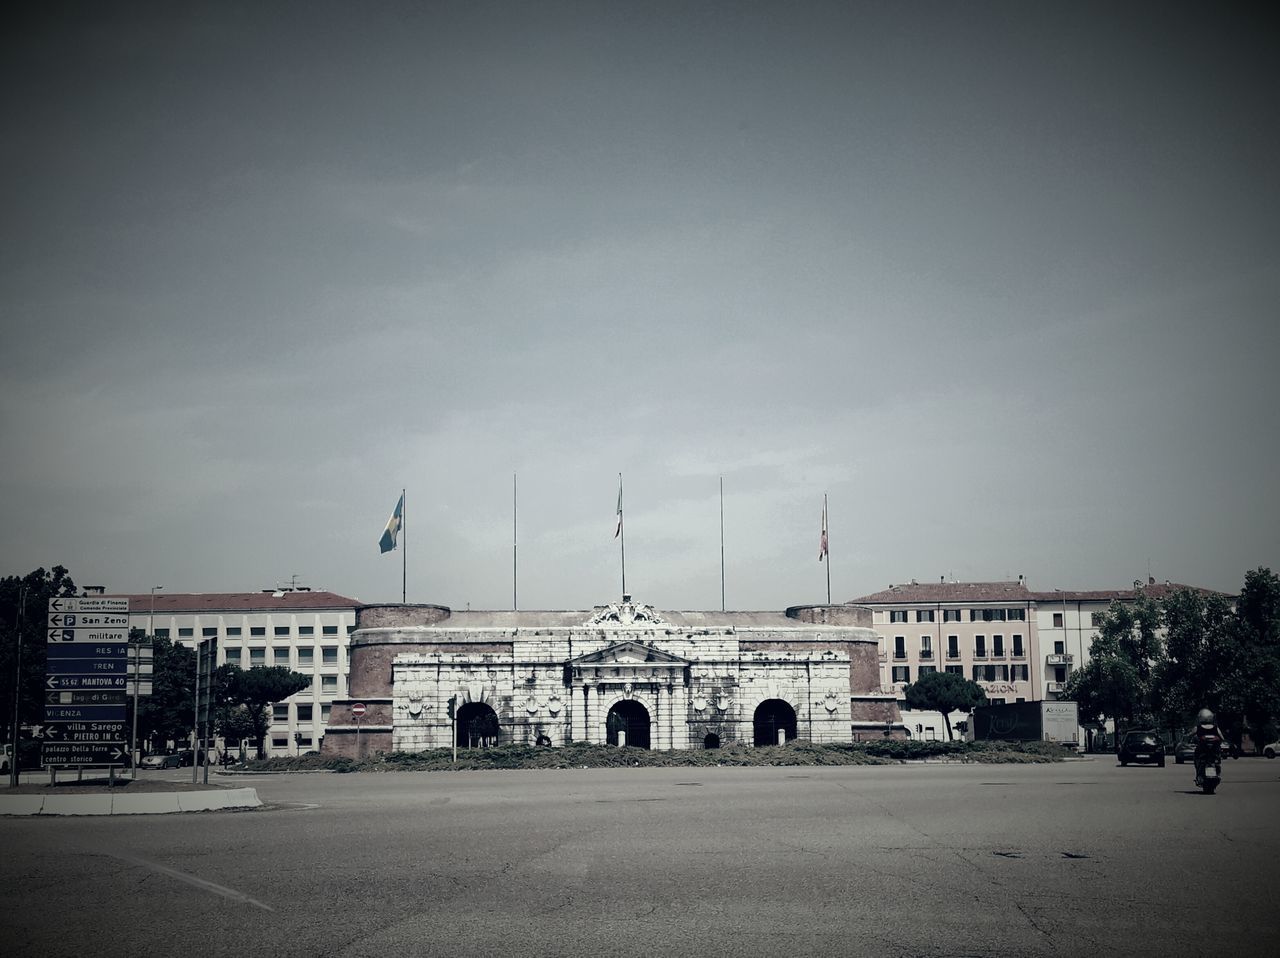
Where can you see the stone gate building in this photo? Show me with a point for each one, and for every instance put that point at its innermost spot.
(617, 674)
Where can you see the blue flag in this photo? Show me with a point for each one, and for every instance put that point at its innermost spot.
(388, 540)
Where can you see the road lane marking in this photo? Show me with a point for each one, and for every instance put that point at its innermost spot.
(214, 887)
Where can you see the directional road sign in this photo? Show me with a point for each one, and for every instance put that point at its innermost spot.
(83, 713)
(83, 753)
(87, 666)
(85, 697)
(58, 682)
(92, 634)
(88, 604)
(87, 650)
(80, 620)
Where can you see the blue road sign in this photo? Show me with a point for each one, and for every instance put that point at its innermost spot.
(87, 667)
(83, 650)
(56, 683)
(84, 713)
(83, 753)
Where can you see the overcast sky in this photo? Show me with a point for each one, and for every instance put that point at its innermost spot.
(1000, 280)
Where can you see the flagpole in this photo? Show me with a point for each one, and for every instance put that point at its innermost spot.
(826, 528)
(722, 543)
(404, 554)
(515, 567)
(622, 533)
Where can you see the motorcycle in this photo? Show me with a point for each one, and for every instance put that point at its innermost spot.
(1209, 769)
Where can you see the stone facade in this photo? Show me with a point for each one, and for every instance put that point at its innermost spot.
(622, 674)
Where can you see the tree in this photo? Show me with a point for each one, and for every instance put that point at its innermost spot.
(1117, 682)
(24, 604)
(255, 690)
(944, 692)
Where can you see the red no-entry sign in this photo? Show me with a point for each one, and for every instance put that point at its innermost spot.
(358, 710)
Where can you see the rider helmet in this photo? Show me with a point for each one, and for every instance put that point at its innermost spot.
(1205, 717)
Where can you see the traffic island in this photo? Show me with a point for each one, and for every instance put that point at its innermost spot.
(126, 797)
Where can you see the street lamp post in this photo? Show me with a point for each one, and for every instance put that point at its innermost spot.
(17, 685)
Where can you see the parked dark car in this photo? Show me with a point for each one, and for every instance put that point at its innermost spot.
(1141, 747)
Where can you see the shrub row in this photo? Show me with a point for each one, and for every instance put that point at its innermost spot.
(578, 755)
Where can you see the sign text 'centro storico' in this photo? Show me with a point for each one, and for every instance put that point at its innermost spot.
(86, 676)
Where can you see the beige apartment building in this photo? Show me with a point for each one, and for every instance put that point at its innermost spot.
(985, 631)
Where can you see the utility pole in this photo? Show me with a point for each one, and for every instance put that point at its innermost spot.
(17, 683)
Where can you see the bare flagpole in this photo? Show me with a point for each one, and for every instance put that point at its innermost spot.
(722, 543)
(515, 567)
(404, 554)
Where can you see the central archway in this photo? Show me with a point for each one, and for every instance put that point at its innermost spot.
(632, 718)
(773, 716)
(477, 726)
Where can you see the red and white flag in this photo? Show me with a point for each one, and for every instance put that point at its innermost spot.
(822, 542)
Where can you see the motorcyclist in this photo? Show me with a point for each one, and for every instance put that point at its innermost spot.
(1209, 739)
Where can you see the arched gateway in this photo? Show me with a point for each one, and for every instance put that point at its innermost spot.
(774, 723)
(628, 724)
(667, 680)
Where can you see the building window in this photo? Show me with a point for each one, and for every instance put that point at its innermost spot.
(1020, 673)
(162, 633)
(304, 712)
(282, 630)
(280, 657)
(280, 713)
(898, 615)
(258, 630)
(1017, 647)
(304, 741)
(280, 741)
(233, 656)
(350, 629)
(329, 683)
(233, 630)
(186, 633)
(1017, 615)
(956, 669)
(902, 673)
(899, 646)
(208, 632)
(306, 657)
(997, 645)
(1057, 620)
(995, 701)
(329, 655)
(329, 629)
(926, 646)
(979, 646)
(1059, 648)
(991, 673)
(953, 646)
(950, 615)
(1059, 673)
(926, 669)
(257, 657)
(924, 615)
(324, 712)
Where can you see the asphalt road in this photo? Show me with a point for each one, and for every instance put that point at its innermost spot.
(1081, 858)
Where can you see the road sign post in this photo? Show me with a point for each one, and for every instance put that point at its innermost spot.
(86, 677)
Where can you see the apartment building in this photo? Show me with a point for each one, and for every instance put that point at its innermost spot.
(985, 631)
(1067, 623)
(303, 630)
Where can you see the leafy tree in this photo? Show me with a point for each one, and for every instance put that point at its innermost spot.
(24, 604)
(255, 690)
(944, 692)
(1118, 680)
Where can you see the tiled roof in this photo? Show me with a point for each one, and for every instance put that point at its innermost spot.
(215, 602)
(917, 592)
(1153, 590)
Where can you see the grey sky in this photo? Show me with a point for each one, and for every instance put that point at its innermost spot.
(1000, 279)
